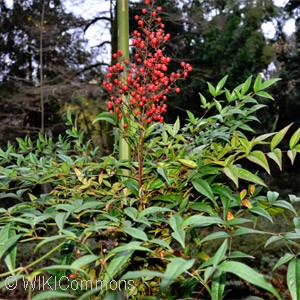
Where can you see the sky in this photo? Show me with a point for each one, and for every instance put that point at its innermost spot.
(99, 32)
(95, 33)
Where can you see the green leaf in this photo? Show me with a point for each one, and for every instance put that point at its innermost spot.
(163, 173)
(221, 84)
(117, 263)
(136, 233)
(248, 274)
(174, 269)
(293, 278)
(132, 185)
(294, 139)
(131, 212)
(292, 155)
(7, 240)
(176, 126)
(51, 239)
(246, 85)
(60, 219)
(212, 90)
(8, 250)
(218, 285)
(247, 175)
(141, 274)
(269, 82)
(257, 84)
(245, 230)
(239, 254)
(83, 261)
(187, 162)
(272, 239)
(203, 188)
(262, 212)
(130, 246)
(215, 235)
(283, 260)
(53, 295)
(264, 94)
(203, 101)
(258, 157)
(279, 136)
(107, 117)
(276, 156)
(272, 197)
(232, 173)
(179, 236)
(220, 254)
(154, 210)
(201, 221)
(286, 205)
(161, 242)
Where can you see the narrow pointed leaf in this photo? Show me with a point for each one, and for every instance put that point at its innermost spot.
(264, 94)
(272, 239)
(283, 260)
(292, 155)
(262, 212)
(141, 274)
(174, 269)
(53, 295)
(218, 285)
(188, 163)
(293, 278)
(117, 263)
(279, 136)
(257, 84)
(232, 173)
(201, 221)
(212, 90)
(246, 85)
(203, 188)
(107, 117)
(214, 236)
(163, 173)
(248, 274)
(221, 83)
(258, 157)
(269, 82)
(130, 246)
(276, 156)
(83, 261)
(247, 175)
(294, 139)
(136, 233)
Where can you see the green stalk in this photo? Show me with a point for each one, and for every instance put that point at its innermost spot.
(123, 45)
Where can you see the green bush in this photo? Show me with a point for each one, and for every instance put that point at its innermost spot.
(99, 225)
(162, 224)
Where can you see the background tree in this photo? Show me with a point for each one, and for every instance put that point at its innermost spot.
(218, 37)
(44, 66)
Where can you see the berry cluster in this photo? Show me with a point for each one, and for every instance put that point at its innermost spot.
(141, 86)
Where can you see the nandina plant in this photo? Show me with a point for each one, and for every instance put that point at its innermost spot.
(139, 87)
(170, 229)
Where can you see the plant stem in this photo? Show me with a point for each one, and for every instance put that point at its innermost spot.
(123, 45)
(140, 158)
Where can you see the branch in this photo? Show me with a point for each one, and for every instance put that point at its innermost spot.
(91, 22)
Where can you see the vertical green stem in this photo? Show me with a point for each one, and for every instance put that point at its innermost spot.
(123, 45)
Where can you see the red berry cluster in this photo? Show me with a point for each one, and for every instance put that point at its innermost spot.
(145, 84)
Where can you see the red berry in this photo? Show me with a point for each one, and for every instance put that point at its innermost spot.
(144, 11)
(177, 90)
(125, 125)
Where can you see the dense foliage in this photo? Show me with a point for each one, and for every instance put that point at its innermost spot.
(166, 229)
